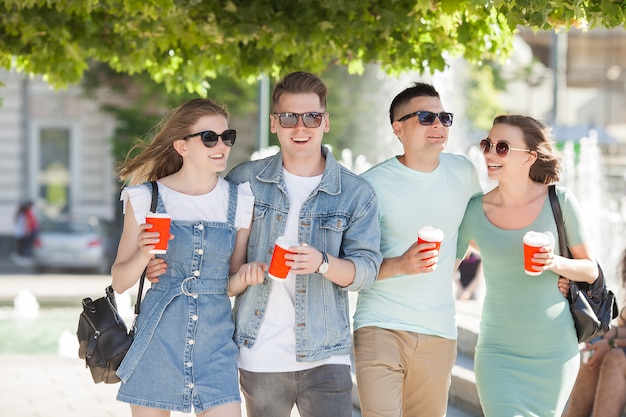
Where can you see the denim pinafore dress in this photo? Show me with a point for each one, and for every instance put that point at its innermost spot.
(183, 354)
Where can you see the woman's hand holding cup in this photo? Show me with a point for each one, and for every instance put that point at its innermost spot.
(538, 254)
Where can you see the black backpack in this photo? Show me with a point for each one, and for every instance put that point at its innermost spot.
(103, 337)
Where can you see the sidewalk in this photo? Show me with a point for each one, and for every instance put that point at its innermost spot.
(54, 386)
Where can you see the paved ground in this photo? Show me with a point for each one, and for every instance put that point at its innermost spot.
(52, 385)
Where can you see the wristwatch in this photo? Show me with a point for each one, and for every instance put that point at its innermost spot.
(612, 344)
(324, 265)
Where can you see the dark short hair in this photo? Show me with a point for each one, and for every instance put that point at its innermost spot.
(416, 90)
(300, 83)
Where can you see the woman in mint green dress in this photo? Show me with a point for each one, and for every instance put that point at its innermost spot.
(527, 353)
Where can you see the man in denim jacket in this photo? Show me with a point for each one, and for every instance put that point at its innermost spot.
(294, 334)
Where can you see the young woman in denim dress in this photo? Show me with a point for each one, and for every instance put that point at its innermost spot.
(183, 357)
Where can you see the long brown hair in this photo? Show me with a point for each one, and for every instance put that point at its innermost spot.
(538, 138)
(157, 158)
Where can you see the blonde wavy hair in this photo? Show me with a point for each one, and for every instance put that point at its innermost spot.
(157, 158)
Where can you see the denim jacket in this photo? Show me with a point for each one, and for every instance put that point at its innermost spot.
(340, 217)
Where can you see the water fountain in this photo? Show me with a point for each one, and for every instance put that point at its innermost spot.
(582, 173)
(125, 307)
(67, 345)
(25, 306)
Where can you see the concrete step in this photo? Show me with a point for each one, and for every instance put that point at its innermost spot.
(463, 393)
(468, 324)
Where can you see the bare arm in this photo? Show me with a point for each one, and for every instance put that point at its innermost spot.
(582, 268)
(410, 262)
(243, 275)
(132, 252)
(340, 271)
(307, 260)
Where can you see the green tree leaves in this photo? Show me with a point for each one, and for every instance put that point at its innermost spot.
(182, 44)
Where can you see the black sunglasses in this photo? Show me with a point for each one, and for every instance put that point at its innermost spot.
(310, 119)
(209, 138)
(427, 118)
(502, 148)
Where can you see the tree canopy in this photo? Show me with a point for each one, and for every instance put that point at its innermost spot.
(186, 43)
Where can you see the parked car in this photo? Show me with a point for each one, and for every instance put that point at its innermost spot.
(75, 242)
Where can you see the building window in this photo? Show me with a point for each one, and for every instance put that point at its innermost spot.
(54, 170)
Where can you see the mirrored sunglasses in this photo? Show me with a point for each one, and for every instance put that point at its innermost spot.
(310, 119)
(502, 148)
(427, 118)
(209, 138)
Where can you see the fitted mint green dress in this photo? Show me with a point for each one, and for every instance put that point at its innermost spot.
(526, 358)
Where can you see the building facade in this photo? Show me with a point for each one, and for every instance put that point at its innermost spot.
(55, 151)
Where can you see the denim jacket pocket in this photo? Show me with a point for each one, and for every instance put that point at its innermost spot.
(257, 220)
(332, 227)
(335, 222)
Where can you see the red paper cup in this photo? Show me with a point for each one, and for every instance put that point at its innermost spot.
(533, 242)
(278, 270)
(160, 223)
(430, 234)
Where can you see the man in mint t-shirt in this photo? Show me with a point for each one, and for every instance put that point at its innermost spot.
(405, 331)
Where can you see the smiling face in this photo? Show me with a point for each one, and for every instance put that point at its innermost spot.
(516, 164)
(300, 145)
(418, 139)
(196, 154)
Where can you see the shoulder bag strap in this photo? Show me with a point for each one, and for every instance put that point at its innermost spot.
(558, 217)
(153, 204)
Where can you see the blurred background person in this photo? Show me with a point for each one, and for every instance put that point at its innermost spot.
(470, 277)
(26, 226)
(600, 388)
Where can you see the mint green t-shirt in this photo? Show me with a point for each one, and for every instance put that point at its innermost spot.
(409, 200)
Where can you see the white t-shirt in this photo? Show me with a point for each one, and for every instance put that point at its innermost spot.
(212, 206)
(275, 348)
